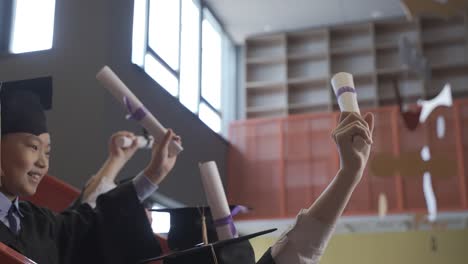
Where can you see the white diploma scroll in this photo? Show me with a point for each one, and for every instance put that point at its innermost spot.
(217, 200)
(134, 107)
(345, 92)
(142, 142)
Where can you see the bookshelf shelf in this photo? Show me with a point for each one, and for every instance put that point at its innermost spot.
(289, 73)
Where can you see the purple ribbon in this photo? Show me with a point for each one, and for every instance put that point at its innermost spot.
(345, 89)
(228, 219)
(137, 114)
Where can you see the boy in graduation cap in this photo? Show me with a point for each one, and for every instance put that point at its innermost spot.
(305, 241)
(117, 231)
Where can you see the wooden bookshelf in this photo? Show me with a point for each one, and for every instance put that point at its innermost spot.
(289, 73)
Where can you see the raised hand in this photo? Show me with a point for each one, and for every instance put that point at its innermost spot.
(103, 180)
(118, 153)
(162, 162)
(353, 137)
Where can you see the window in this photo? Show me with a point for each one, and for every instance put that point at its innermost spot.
(163, 76)
(161, 223)
(211, 68)
(210, 117)
(26, 25)
(180, 44)
(164, 30)
(190, 56)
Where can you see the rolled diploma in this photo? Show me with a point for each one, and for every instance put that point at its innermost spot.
(142, 142)
(117, 88)
(345, 92)
(216, 197)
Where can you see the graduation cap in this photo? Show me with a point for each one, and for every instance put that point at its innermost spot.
(230, 251)
(188, 223)
(23, 105)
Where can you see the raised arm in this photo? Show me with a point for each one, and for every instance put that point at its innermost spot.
(162, 161)
(104, 180)
(353, 138)
(306, 240)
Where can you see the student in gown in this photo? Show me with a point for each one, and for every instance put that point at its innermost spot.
(117, 231)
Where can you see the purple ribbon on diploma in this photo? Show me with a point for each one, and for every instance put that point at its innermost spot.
(345, 89)
(137, 114)
(228, 219)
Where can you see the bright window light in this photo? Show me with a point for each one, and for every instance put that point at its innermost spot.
(161, 75)
(139, 32)
(210, 118)
(211, 64)
(189, 66)
(180, 44)
(32, 26)
(164, 30)
(161, 221)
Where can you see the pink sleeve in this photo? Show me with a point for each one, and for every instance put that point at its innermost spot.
(304, 242)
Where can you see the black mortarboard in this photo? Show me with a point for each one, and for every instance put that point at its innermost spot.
(186, 234)
(186, 226)
(230, 251)
(23, 104)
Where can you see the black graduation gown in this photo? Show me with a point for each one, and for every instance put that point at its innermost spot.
(117, 232)
(266, 258)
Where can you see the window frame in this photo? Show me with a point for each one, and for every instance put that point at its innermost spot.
(202, 9)
(218, 26)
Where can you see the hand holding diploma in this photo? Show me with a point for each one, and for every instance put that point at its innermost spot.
(142, 142)
(162, 161)
(353, 134)
(345, 92)
(136, 110)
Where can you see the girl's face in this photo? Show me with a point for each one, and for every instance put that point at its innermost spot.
(25, 161)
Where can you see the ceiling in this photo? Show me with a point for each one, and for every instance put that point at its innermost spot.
(243, 18)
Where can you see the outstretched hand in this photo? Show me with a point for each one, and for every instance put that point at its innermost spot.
(162, 161)
(353, 137)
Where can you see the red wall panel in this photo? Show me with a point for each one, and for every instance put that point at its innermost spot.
(280, 165)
